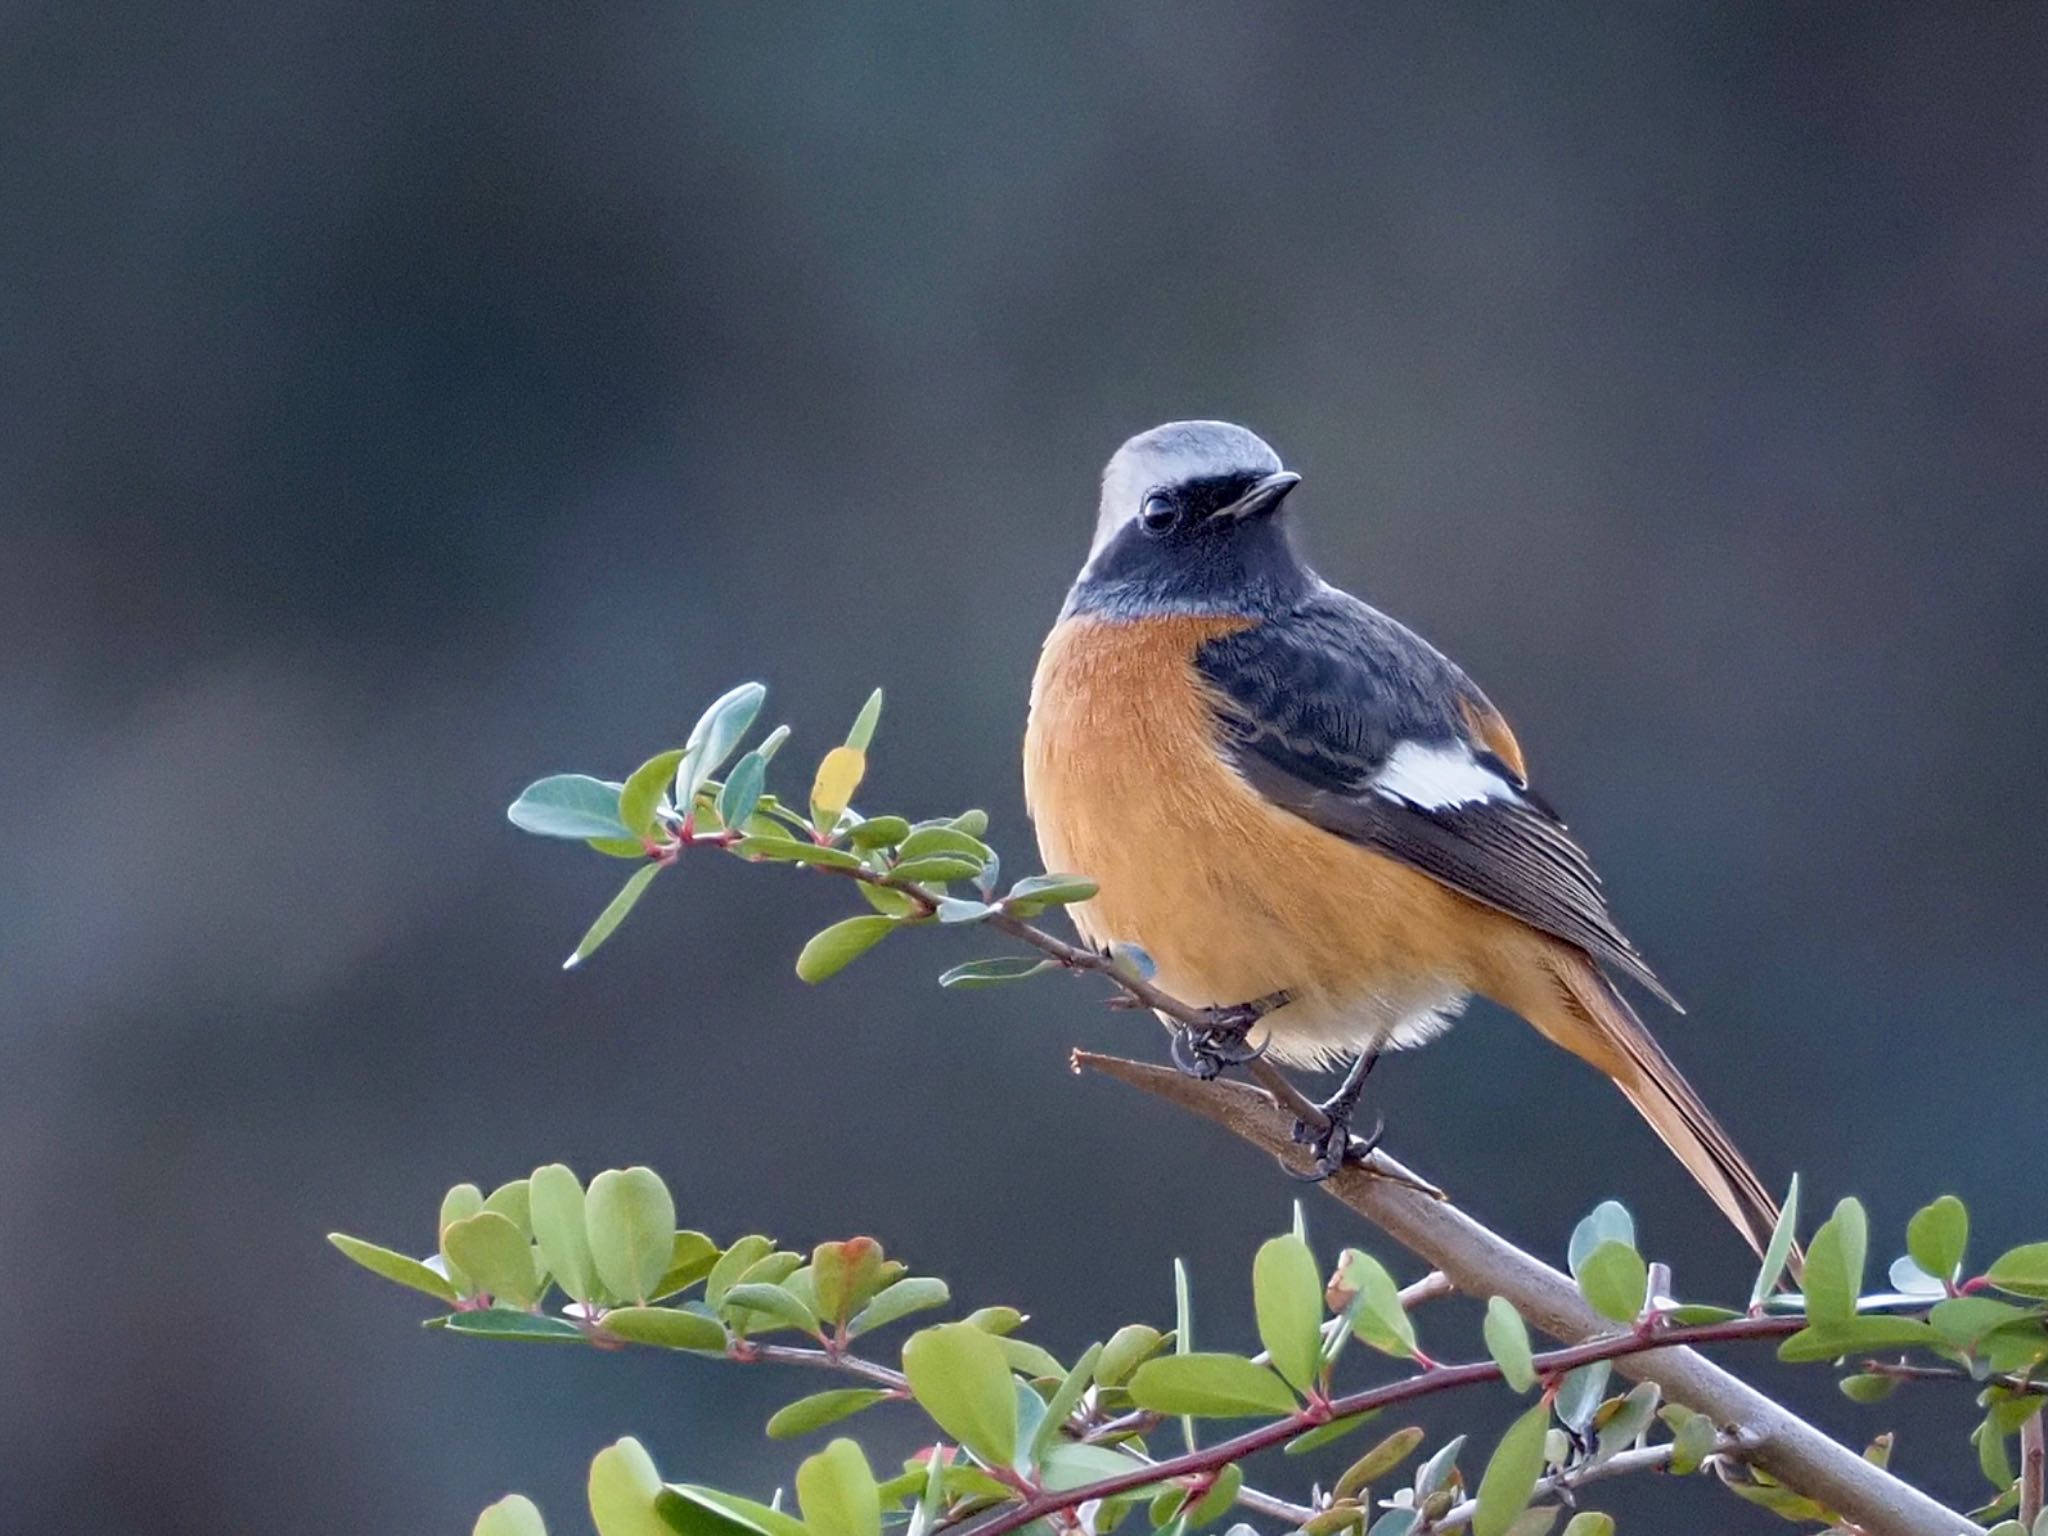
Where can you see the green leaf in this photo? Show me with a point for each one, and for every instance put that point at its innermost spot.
(1217, 1501)
(645, 789)
(555, 1204)
(395, 1266)
(913, 1294)
(936, 869)
(1065, 1398)
(1964, 1320)
(773, 1301)
(995, 973)
(1578, 1395)
(503, 1323)
(1620, 1423)
(513, 1515)
(1937, 1236)
(1607, 1222)
(1378, 1462)
(1510, 1477)
(1032, 895)
(741, 791)
(954, 910)
(1324, 1434)
(1507, 1340)
(495, 1255)
(742, 1256)
(631, 1221)
(1589, 1522)
(1071, 1465)
(837, 947)
(694, 1511)
(926, 842)
(879, 832)
(666, 1328)
(960, 1377)
(1377, 1316)
(863, 731)
(1128, 1348)
(1028, 1359)
(846, 1275)
(837, 1493)
(571, 805)
(614, 914)
(1865, 1388)
(1834, 1264)
(513, 1201)
(790, 850)
(1692, 1443)
(820, 1409)
(1834, 1337)
(623, 1486)
(1992, 1457)
(1613, 1279)
(717, 731)
(2022, 1271)
(1779, 1249)
(689, 1260)
(1212, 1386)
(997, 1320)
(1287, 1295)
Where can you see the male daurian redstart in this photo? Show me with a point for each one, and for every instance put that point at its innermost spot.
(1283, 794)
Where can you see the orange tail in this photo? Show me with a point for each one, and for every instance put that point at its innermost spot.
(1586, 1016)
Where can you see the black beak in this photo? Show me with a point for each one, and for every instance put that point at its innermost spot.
(1263, 497)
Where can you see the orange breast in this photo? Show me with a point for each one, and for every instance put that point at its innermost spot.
(1232, 897)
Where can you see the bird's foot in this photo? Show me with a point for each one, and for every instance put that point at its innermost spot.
(1223, 1039)
(1332, 1144)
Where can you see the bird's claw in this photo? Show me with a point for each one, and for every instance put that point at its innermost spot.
(1223, 1039)
(1333, 1145)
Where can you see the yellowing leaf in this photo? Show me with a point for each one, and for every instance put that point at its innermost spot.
(839, 775)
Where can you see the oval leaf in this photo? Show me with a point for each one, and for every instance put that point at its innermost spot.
(623, 1487)
(1614, 1279)
(717, 731)
(666, 1328)
(960, 1377)
(914, 1294)
(555, 1204)
(495, 1255)
(395, 1266)
(836, 1492)
(513, 1515)
(1834, 1264)
(645, 789)
(2022, 1271)
(820, 1409)
(630, 1221)
(1507, 1340)
(837, 947)
(1287, 1295)
(572, 805)
(1937, 1236)
(1510, 1477)
(1211, 1386)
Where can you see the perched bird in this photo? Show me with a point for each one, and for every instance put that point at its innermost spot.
(1284, 795)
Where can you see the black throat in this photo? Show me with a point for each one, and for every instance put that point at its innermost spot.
(1228, 565)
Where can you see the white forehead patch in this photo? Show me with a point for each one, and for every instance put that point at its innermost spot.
(1169, 455)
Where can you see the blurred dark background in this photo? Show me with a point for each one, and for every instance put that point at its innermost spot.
(400, 403)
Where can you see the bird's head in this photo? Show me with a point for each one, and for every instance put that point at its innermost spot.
(1189, 522)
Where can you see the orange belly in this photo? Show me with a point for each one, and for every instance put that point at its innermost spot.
(1231, 897)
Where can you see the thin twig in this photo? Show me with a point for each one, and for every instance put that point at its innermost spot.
(2033, 1470)
(1425, 1384)
(1900, 1370)
(747, 1351)
(1649, 1458)
(1482, 1263)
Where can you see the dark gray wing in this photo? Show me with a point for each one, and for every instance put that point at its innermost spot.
(1349, 720)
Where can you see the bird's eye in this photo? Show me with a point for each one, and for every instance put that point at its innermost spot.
(1158, 514)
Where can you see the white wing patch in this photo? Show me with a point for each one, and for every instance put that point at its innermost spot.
(1434, 776)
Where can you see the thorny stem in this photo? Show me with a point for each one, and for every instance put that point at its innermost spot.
(1442, 1379)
